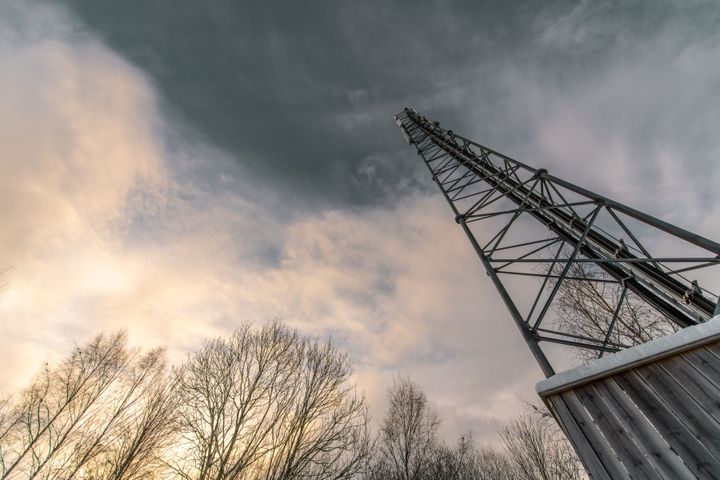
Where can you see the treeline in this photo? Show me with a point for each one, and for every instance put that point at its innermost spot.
(408, 447)
(258, 404)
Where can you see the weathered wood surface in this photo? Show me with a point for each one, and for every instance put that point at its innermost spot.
(652, 413)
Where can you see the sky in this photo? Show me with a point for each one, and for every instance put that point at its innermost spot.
(176, 168)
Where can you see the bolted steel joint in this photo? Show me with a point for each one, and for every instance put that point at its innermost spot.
(541, 173)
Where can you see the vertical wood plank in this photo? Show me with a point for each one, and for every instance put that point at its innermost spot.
(665, 459)
(706, 363)
(705, 394)
(714, 349)
(618, 436)
(680, 438)
(597, 441)
(698, 421)
(587, 454)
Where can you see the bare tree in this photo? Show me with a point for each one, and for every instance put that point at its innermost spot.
(586, 306)
(466, 462)
(271, 405)
(450, 464)
(10, 418)
(408, 435)
(133, 425)
(459, 463)
(494, 465)
(258, 404)
(539, 450)
(74, 418)
(535, 448)
(58, 404)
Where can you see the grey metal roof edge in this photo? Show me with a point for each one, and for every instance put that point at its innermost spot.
(685, 339)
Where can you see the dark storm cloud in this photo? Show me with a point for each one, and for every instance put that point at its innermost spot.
(302, 93)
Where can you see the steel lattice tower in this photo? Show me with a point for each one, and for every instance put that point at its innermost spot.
(570, 246)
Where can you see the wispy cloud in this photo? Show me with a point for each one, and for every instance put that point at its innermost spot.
(79, 148)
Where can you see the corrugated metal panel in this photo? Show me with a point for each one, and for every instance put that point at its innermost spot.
(650, 414)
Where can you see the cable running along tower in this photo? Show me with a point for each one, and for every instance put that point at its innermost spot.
(573, 267)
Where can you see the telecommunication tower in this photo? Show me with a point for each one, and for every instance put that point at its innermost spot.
(572, 267)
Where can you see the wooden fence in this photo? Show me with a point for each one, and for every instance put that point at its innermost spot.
(648, 412)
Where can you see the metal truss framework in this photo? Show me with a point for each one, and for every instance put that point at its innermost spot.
(526, 224)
